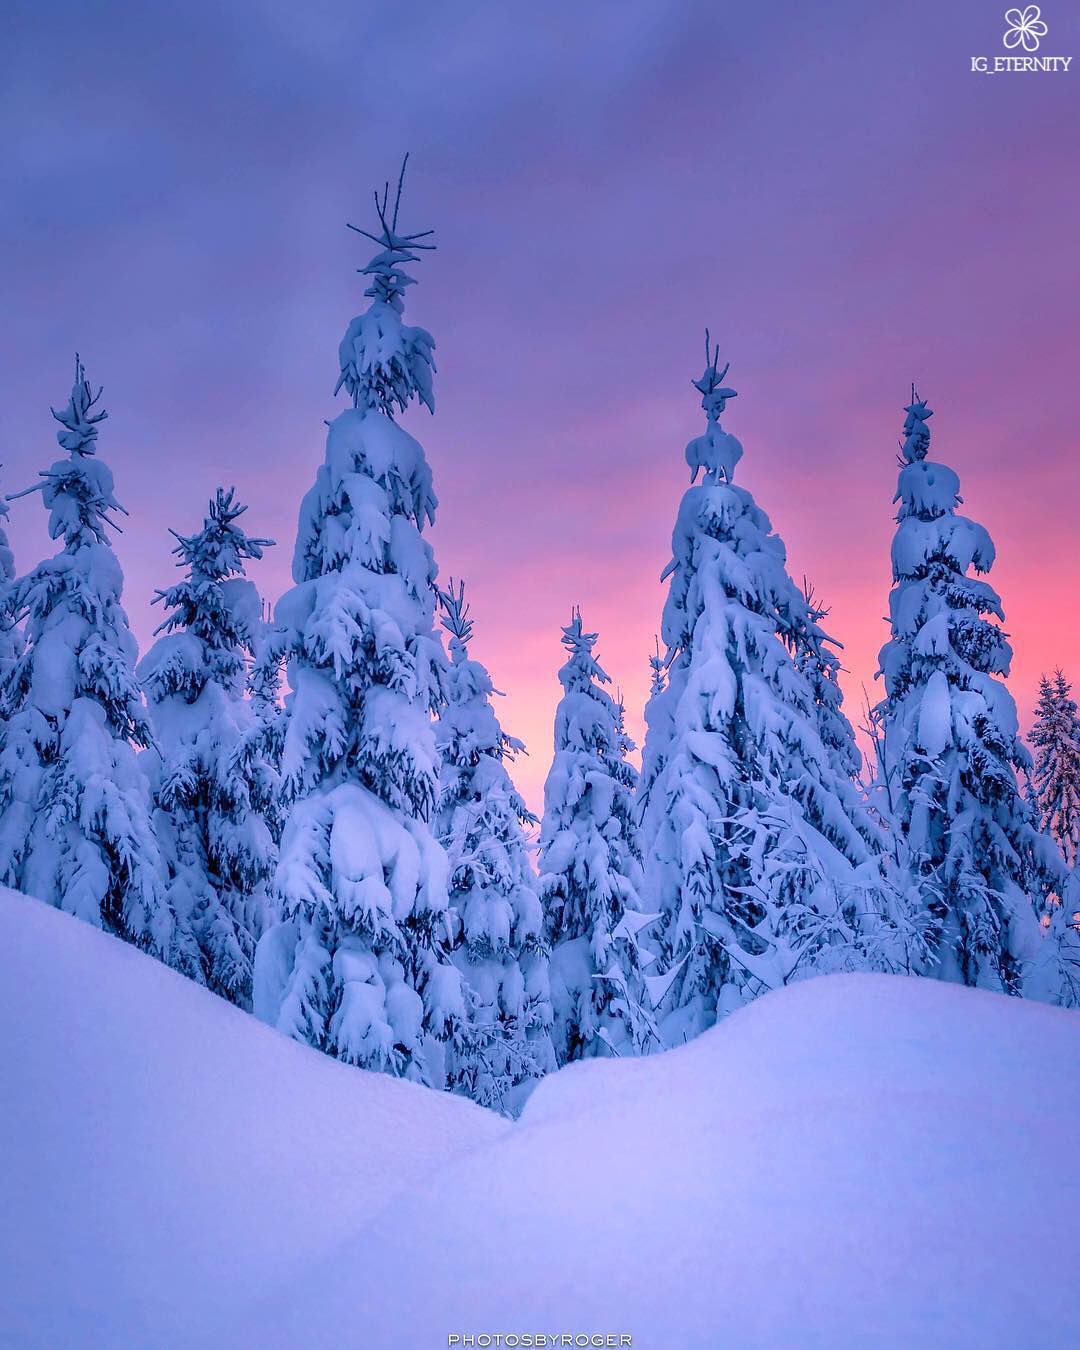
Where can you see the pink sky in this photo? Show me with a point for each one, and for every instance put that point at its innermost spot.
(830, 188)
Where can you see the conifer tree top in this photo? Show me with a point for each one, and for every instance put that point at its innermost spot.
(581, 666)
(78, 491)
(916, 443)
(657, 672)
(717, 452)
(221, 547)
(714, 393)
(384, 362)
(211, 557)
(387, 268)
(455, 619)
(79, 419)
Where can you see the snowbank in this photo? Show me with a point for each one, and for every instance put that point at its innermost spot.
(168, 1158)
(860, 1161)
(855, 1161)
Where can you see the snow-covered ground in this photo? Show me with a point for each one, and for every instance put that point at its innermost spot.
(167, 1159)
(858, 1161)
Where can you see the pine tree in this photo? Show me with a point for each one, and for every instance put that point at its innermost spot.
(817, 657)
(590, 868)
(9, 633)
(498, 920)
(951, 748)
(758, 852)
(1054, 976)
(658, 736)
(215, 786)
(1056, 780)
(75, 824)
(266, 741)
(356, 967)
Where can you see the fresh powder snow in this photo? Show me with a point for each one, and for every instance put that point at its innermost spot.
(854, 1160)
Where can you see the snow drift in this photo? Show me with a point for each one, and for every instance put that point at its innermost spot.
(857, 1160)
(167, 1158)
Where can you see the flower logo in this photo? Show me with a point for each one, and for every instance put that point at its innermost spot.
(1025, 28)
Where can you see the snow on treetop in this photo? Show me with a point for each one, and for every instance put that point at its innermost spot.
(928, 489)
(658, 666)
(581, 666)
(916, 442)
(221, 547)
(384, 362)
(79, 419)
(716, 452)
(78, 491)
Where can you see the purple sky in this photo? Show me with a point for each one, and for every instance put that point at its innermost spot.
(829, 187)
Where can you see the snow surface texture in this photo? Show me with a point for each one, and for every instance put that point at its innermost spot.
(853, 1161)
(168, 1158)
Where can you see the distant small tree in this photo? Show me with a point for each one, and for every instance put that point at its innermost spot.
(10, 638)
(590, 868)
(658, 735)
(498, 920)
(1055, 783)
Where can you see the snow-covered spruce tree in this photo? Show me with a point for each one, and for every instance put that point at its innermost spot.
(357, 967)
(951, 747)
(214, 784)
(9, 632)
(892, 924)
(817, 656)
(1054, 976)
(757, 852)
(590, 868)
(658, 736)
(75, 805)
(1055, 782)
(267, 738)
(498, 919)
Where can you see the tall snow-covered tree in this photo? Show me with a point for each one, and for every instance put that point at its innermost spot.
(756, 848)
(951, 745)
(215, 786)
(1055, 782)
(590, 868)
(357, 965)
(75, 807)
(498, 920)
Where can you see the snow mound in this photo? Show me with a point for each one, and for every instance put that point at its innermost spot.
(854, 1161)
(862, 1161)
(168, 1158)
